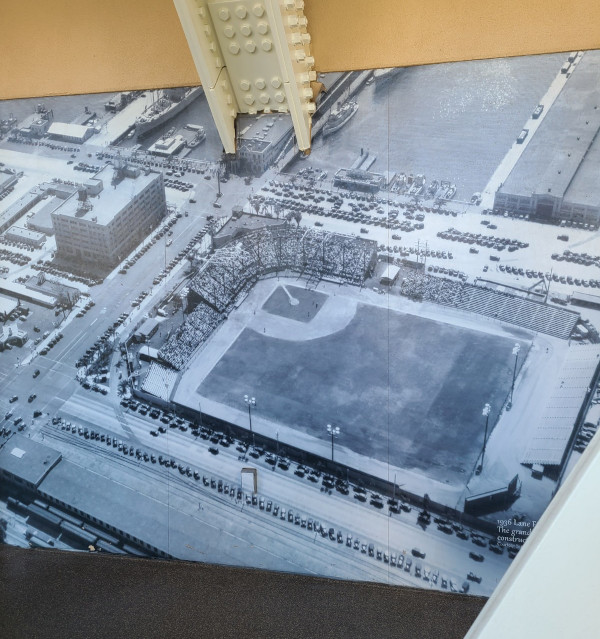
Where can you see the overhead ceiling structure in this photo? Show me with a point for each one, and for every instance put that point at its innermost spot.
(252, 56)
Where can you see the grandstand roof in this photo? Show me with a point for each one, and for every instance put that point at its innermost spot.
(549, 441)
(555, 161)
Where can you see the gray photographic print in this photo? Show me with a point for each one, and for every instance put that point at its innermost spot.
(377, 361)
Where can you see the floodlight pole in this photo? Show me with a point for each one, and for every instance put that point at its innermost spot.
(515, 351)
(486, 414)
(333, 431)
(250, 401)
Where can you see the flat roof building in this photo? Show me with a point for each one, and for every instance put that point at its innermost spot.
(26, 462)
(76, 133)
(556, 176)
(39, 218)
(25, 203)
(129, 513)
(167, 146)
(147, 329)
(109, 215)
(25, 236)
(359, 180)
(261, 140)
(389, 275)
(239, 225)
(7, 306)
(21, 292)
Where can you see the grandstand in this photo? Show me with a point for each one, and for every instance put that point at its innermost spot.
(316, 255)
(234, 268)
(194, 331)
(501, 305)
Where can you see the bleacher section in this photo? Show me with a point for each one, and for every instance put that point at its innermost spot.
(501, 305)
(159, 381)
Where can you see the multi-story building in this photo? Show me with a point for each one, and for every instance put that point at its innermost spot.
(109, 215)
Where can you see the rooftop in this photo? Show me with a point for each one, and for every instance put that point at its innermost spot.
(562, 153)
(130, 511)
(27, 460)
(7, 305)
(70, 130)
(25, 233)
(16, 207)
(259, 132)
(21, 291)
(110, 201)
(40, 214)
(247, 222)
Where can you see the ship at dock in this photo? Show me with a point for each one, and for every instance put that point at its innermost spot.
(383, 76)
(168, 103)
(199, 135)
(340, 116)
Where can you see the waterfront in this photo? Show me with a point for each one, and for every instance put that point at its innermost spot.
(449, 121)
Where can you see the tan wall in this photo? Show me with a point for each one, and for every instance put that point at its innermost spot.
(79, 46)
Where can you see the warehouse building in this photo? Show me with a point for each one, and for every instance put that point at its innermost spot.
(65, 132)
(555, 178)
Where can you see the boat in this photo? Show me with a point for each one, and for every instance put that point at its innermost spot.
(167, 105)
(198, 138)
(383, 76)
(340, 116)
(418, 185)
(433, 188)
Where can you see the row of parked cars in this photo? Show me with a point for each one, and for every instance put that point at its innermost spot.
(554, 277)
(99, 345)
(6, 192)
(87, 168)
(178, 184)
(51, 344)
(152, 161)
(479, 239)
(584, 436)
(46, 266)
(165, 228)
(89, 304)
(14, 258)
(23, 246)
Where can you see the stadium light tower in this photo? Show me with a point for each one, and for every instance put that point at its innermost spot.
(334, 431)
(486, 413)
(251, 403)
(515, 352)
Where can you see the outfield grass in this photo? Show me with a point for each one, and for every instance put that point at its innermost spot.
(402, 388)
